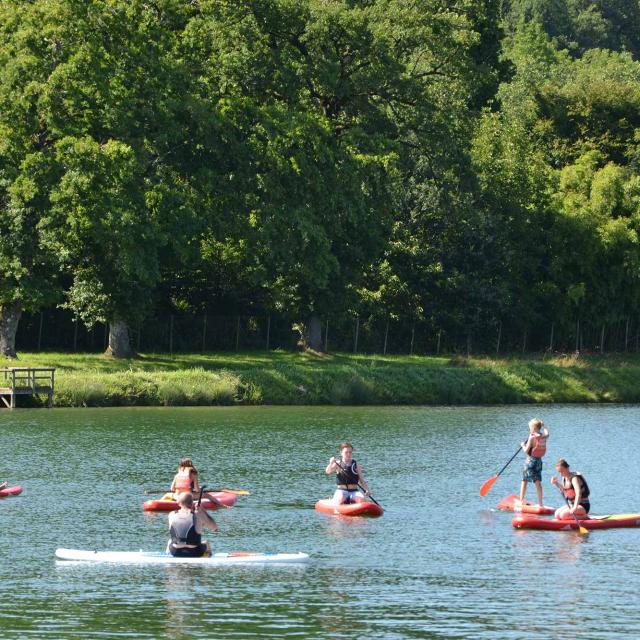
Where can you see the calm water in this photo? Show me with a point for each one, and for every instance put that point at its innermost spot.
(441, 563)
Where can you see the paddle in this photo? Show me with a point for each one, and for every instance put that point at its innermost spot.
(238, 492)
(204, 511)
(484, 489)
(581, 529)
(360, 486)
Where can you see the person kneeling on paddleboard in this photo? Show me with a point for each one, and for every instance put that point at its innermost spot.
(186, 479)
(348, 477)
(185, 526)
(535, 447)
(576, 491)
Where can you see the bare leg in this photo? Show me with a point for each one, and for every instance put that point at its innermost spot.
(523, 489)
(539, 491)
(215, 501)
(338, 497)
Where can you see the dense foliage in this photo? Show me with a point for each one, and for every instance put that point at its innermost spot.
(467, 165)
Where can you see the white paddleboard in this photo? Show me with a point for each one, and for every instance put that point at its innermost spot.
(152, 557)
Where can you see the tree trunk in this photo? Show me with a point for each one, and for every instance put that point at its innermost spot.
(9, 318)
(119, 340)
(312, 337)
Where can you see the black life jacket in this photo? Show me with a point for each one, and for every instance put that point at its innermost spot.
(183, 530)
(347, 475)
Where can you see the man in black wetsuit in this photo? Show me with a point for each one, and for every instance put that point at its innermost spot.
(186, 526)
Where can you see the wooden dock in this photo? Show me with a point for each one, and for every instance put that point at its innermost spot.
(25, 381)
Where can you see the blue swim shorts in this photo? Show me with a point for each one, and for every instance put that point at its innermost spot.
(532, 471)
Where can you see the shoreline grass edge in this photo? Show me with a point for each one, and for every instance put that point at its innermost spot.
(283, 378)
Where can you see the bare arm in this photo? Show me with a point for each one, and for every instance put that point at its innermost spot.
(333, 466)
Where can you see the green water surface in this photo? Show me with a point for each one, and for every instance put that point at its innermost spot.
(441, 562)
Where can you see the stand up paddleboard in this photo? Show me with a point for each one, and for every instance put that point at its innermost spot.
(512, 503)
(370, 509)
(169, 504)
(613, 521)
(150, 557)
(11, 491)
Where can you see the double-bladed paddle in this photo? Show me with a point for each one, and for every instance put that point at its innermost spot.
(359, 485)
(238, 492)
(484, 489)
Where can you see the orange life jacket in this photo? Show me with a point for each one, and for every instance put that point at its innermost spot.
(570, 492)
(539, 445)
(183, 480)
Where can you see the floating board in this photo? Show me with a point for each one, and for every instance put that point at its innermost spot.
(512, 503)
(165, 504)
(151, 557)
(370, 509)
(594, 522)
(11, 491)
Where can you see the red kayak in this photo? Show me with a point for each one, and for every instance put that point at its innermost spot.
(354, 509)
(594, 522)
(512, 503)
(11, 491)
(167, 503)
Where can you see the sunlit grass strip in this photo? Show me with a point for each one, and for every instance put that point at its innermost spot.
(336, 379)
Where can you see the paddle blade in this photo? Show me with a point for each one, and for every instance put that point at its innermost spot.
(582, 530)
(484, 489)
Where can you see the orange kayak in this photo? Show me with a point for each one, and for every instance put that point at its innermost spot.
(167, 503)
(354, 509)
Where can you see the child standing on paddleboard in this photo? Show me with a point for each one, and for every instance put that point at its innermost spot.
(535, 447)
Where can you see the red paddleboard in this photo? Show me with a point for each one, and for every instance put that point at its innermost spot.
(512, 503)
(594, 522)
(11, 491)
(164, 504)
(354, 509)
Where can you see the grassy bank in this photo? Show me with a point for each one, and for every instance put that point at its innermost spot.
(291, 378)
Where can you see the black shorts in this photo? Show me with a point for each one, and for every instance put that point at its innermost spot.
(188, 552)
(586, 505)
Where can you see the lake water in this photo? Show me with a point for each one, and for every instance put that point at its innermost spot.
(441, 562)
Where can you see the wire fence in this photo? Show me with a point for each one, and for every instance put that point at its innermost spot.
(56, 330)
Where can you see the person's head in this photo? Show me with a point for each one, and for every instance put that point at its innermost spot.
(186, 463)
(535, 425)
(346, 450)
(562, 467)
(185, 500)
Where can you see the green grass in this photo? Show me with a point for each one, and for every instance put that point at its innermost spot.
(306, 378)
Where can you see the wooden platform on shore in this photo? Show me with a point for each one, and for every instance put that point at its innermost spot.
(25, 381)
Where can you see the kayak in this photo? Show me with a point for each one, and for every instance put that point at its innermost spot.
(354, 509)
(152, 557)
(11, 491)
(169, 504)
(510, 503)
(594, 522)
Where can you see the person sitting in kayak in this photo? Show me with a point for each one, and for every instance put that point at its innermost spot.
(576, 491)
(348, 477)
(4, 485)
(186, 526)
(186, 479)
(535, 447)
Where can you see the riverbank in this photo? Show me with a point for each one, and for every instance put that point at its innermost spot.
(89, 380)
